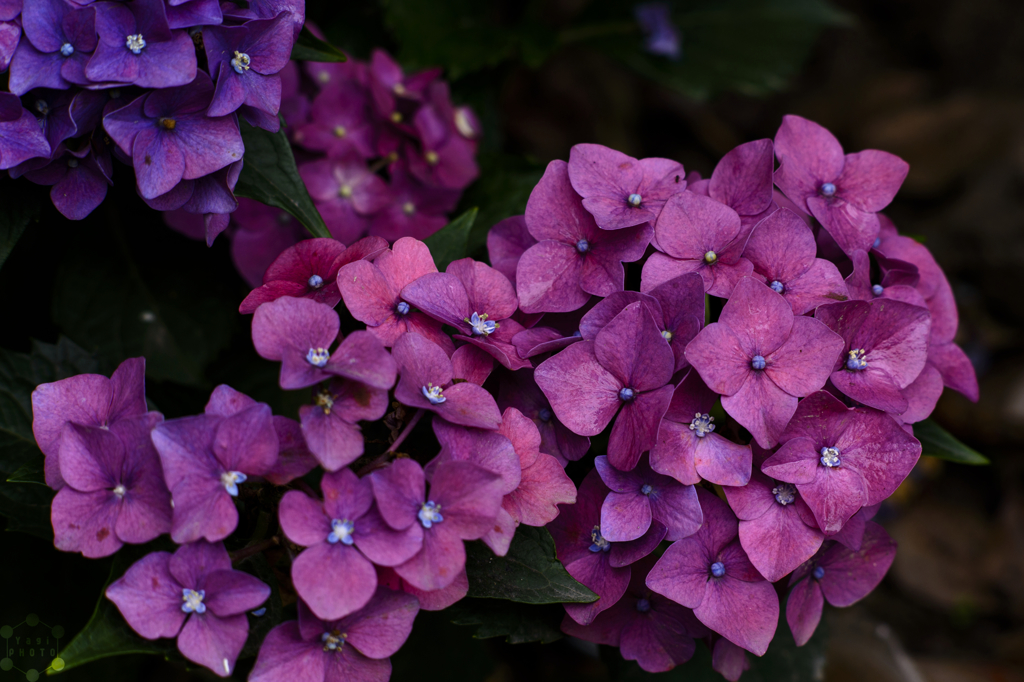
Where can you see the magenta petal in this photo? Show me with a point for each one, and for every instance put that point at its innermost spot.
(729, 660)
(762, 408)
(956, 369)
(583, 394)
(779, 541)
(285, 655)
(384, 546)
(214, 642)
(506, 243)
(85, 522)
(809, 155)
(149, 597)
(334, 441)
(399, 490)
(489, 450)
(804, 362)
(851, 227)
(819, 285)
(625, 516)
(850, 576)
(803, 609)
(362, 357)
(626, 553)
(654, 645)
(871, 178)
(302, 519)
(548, 278)
(609, 583)
(380, 628)
(441, 296)
(636, 428)
(233, 592)
(632, 348)
(544, 485)
(745, 613)
(742, 180)
(334, 580)
(720, 359)
(796, 461)
(439, 562)
(681, 573)
(692, 225)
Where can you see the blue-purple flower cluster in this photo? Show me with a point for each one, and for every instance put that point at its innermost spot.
(157, 84)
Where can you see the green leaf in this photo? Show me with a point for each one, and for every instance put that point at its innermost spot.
(309, 48)
(30, 472)
(502, 190)
(451, 242)
(517, 623)
(14, 218)
(938, 442)
(269, 175)
(530, 573)
(27, 508)
(107, 633)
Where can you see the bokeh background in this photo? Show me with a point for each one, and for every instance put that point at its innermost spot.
(938, 82)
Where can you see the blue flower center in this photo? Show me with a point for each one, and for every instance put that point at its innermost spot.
(43, 107)
(67, 49)
(702, 425)
(818, 573)
(192, 601)
(642, 605)
(877, 289)
(325, 401)
(785, 493)
(626, 394)
(757, 362)
(598, 543)
(830, 457)
(334, 640)
(777, 286)
(718, 569)
(827, 189)
(240, 62)
(583, 246)
(646, 489)
(318, 357)
(316, 281)
(433, 394)
(341, 531)
(545, 414)
(710, 257)
(230, 481)
(878, 242)
(402, 308)
(430, 513)
(855, 361)
(634, 200)
(480, 324)
(135, 43)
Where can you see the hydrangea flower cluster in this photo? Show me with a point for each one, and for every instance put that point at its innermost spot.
(157, 84)
(382, 154)
(757, 396)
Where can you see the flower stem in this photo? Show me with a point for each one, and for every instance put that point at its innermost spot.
(251, 550)
(386, 455)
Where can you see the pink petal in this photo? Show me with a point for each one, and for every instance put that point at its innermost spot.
(583, 394)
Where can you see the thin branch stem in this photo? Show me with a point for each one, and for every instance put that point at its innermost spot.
(386, 455)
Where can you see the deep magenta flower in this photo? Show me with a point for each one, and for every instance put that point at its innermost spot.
(78, 178)
(620, 191)
(346, 194)
(843, 192)
(742, 179)
(416, 210)
(885, 349)
(430, 600)
(169, 136)
(115, 490)
(586, 555)
(777, 528)
(628, 365)
(344, 537)
(205, 458)
(519, 390)
(654, 631)
(298, 333)
(373, 293)
(193, 595)
(782, 249)
(247, 60)
(356, 647)
(688, 448)
(507, 241)
(760, 358)
(641, 496)
(10, 37)
(469, 363)
(392, 90)
(445, 157)
(87, 400)
(59, 41)
(573, 258)
(698, 234)
(340, 123)
(729, 660)
(426, 382)
(839, 575)
(710, 573)
(137, 46)
(463, 502)
(677, 306)
(329, 425)
(310, 270)
(476, 300)
(842, 459)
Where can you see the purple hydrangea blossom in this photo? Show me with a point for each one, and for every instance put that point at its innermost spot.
(340, 123)
(885, 349)
(329, 426)
(373, 293)
(782, 249)
(463, 503)
(346, 193)
(310, 270)
(628, 365)
(86, 400)
(205, 458)
(761, 358)
(137, 46)
(641, 496)
(416, 210)
(839, 575)
(710, 573)
(507, 241)
(519, 390)
(742, 180)
(427, 382)
(445, 157)
(20, 136)
(469, 363)
(170, 138)
(353, 648)
(78, 178)
(430, 600)
(573, 257)
(841, 459)
(843, 192)
(114, 490)
(193, 595)
(190, 13)
(298, 332)
(620, 191)
(10, 38)
(729, 660)
(688, 449)
(60, 40)
(344, 537)
(654, 631)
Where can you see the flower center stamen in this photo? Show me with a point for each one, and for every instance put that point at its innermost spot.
(316, 281)
(702, 424)
(710, 257)
(718, 569)
(818, 572)
(877, 289)
(598, 543)
(135, 43)
(318, 357)
(758, 362)
(643, 605)
(192, 601)
(402, 308)
(827, 189)
(167, 123)
(433, 394)
(777, 286)
(646, 489)
(333, 641)
(408, 208)
(626, 394)
(67, 49)
(325, 401)
(430, 513)
(43, 107)
(583, 246)
(830, 457)
(785, 493)
(119, 490)
(480, 324)
(240, 62)
(855, 361)
(634, 200)
(340, 131)
(545, 414)
(341, 531)
(72, 163)
(432, 158)
(230, 481)
(345, 191)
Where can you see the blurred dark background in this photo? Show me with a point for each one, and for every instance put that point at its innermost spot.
(939, 82)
